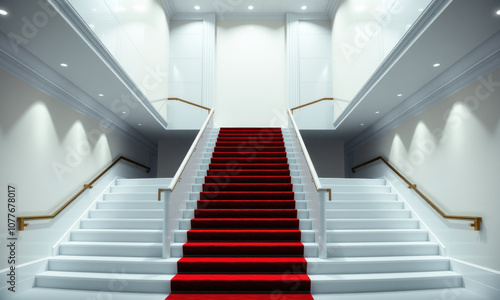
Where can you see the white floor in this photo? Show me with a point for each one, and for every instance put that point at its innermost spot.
(56, 294)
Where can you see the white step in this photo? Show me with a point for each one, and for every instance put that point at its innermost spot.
(131, 204)
(349, 283)
(367, 213)
(298, 196)
(382, 264)
(110, 264)
(299, 204)
(196, 188)
(363, 196)
(361, 188)
(110, 235)
(387, 235)
(111, 249)
(373, 224)
(137, 283)
(127, 213)
(382, 249)
(351, 181)
(131, 196)
(189, 213)
(107, 223)
(123, 189)
(143, 181)
(359, 204)
(203, 172)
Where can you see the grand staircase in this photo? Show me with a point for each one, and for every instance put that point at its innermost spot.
(247, 228)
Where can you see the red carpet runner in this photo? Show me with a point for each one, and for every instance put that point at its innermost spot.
(245, 241)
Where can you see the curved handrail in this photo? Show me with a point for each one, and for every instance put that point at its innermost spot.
(177, 176)
(314, 175)
(190, 103)
(477, 220)
(307, 104)
(22, 220)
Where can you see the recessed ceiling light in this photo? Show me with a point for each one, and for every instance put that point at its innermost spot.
(303, 7)
(197, 7)
(101, 95)
(3, 12)
(124, 112)
(362, 124)
(250, 7)
(360, 7)
(139, 124)
(64, 65)
(436, 65)
(377, 112)
(400, 95)
(498, 12)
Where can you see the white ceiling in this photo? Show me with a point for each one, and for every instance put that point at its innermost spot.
(241, 6)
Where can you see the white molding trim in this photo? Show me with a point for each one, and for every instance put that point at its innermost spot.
(421, 24)
(293, 59)
(251, 17)
(31, 69)
(66, 10)
(208, 84)
(482, 60)
(480, 280)
(331, 9)
(169, 8)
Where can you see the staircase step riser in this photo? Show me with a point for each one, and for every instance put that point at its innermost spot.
(108, 250)
(124, 267)
(122, 224)
(367, 214)
(390, 250)
(142, 237)
(370, 267)
(348, 237)
(127, 214)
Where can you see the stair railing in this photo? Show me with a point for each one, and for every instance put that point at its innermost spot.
(187, 102)
(318, 205)
(176, 194)
(477, 220)
(22, 220)
(310, 103)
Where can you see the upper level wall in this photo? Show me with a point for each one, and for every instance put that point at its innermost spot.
(250, 73)
(451, 152)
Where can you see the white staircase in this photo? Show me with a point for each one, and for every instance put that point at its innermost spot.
(118, 246)
(375, 243)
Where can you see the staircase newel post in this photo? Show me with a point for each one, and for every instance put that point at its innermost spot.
(322, 224)
(167, 236)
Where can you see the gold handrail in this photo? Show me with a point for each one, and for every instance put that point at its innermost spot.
(307, 104)
(190, 103)
(22, 220)
(477, 220)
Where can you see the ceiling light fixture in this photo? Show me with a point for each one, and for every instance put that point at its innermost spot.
(197, 7)
(400, 95)
(377, 112)
(303, 7)
(101, 95)
(436, 65)
(124, 112)
(498, 12)
(362, 124)
(64, 65)
(3, 12)
(139, 124)
(250, 7)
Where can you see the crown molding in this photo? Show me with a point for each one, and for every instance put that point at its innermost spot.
(169, 8)
(331, 8)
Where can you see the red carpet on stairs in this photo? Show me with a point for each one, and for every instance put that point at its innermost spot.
(244, 241)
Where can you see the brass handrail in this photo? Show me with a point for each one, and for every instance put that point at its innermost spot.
(312, 102)
(477, 220)
(190, 103)
(22, 220)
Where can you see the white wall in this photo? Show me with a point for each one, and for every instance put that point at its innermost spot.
(327, 156)
(137, 35)
(363, 34)
(186, 74)
(452, 152)
(49, 151)
(250, 73)
(171, 153)
(315, 55)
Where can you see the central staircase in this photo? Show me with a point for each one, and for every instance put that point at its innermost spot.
(244, 235)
